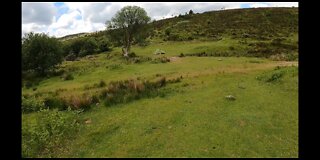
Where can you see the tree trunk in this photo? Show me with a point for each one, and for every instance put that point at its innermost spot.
(126, 48)
(125, 51)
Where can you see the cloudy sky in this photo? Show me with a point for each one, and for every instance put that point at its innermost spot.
(62, 18)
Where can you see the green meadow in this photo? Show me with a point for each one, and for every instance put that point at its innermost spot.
(104, 105)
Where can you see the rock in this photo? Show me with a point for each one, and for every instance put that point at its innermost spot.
(219, 59)
(97, 104)
(88, 121)
(158, 51)
(230, 97)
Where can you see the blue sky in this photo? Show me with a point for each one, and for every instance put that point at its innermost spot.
(63, 18)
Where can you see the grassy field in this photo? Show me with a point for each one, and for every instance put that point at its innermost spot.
(193, 118)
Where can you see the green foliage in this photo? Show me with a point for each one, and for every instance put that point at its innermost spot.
(40, 52)
(31, 104)
(168, 30)
(104, 44)
(71, 57)
(90, 46)
(67, 76)
(190, 12)
(278, 74)
(52, 102)
(49, 133)
(102, 83)
(131, 24)
(129, 90)
(83, 46)
(77, 102)
(162, 59)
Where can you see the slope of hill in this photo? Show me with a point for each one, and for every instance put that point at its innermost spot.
(258, 23)
(259, 32)
(207, 96)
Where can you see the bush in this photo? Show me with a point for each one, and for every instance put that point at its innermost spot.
(47, 135)
(128, 90)
(132, 54)
(31, 104)
(54, 102)
(277, 74)
(79, 102)
(160, 60)
(102, 83)
(67, 77)
(40, 52)
(28, 84)
(71, 57)
(168, 31)
(181, 55)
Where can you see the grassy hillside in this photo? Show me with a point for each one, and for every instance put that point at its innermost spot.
(226, 92)
(259, 32)
(257, 23)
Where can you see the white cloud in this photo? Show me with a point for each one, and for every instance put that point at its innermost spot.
(40, 13)
(89, 17)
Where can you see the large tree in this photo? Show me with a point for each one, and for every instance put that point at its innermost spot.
(40, 52)
(130, 23)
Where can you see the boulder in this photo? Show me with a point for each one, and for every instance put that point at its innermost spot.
(230, 97)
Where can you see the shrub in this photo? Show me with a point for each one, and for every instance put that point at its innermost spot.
(71, 57)
(161, 82)
(160, 60)
(47, 135)
(272, 76)
(28, 84)
(132, 54)
(94, 99)
(168, 31)
(128, 90)
(67, 77)
(102, 83)
(40, 52)
(55, 102)
(31, 104)
(181, 55)
(79, 102)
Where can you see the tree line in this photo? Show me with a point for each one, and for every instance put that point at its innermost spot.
(41, 53)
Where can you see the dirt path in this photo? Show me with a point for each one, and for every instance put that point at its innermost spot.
(286, 63)
(174, 59)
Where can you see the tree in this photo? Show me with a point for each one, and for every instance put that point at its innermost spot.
(40, 52)
(190, 12)
(103, 44)
(89, 46)
(129, 21)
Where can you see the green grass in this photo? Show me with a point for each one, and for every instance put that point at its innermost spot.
(197, 121)
(193, 119)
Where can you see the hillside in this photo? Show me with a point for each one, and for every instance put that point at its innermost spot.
(257, 23)
(259, 32)
(225, 86)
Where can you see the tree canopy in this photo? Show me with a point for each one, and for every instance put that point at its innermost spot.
(130, 22)
(40, 52)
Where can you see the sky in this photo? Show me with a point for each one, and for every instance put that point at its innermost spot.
(63, 18)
